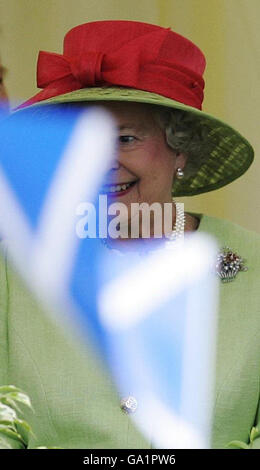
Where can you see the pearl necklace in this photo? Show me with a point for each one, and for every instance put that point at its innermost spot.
(177, 233)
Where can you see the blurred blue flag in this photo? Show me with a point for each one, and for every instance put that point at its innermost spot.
(146, 314)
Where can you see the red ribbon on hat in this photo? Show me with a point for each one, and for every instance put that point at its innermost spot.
(84, 70)
(136, 64)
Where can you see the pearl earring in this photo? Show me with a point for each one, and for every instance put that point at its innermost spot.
(179, 173)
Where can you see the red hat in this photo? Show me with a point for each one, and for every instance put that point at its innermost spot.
(123, 53)
(131, 61)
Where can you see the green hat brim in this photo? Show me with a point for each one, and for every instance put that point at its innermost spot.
(227, 153)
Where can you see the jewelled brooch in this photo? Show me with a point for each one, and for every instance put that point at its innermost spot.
(229, 264)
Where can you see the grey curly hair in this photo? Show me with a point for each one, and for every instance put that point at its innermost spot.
(185, 134)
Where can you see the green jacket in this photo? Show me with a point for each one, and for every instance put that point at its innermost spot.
(75, 402)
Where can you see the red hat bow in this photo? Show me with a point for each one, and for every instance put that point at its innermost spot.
(152, 61)
(84, 70)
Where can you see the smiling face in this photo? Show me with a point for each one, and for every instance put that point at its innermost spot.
(144, 159)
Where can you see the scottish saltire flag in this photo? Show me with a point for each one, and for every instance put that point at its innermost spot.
(52, 159)
(159, 315)
(152, 317)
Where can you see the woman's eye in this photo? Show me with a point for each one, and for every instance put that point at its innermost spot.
(127, 139)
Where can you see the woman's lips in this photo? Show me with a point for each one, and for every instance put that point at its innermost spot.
(119, 193)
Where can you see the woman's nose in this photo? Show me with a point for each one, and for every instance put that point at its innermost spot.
(114, 165)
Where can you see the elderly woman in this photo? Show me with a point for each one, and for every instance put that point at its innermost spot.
(150, 79)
